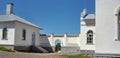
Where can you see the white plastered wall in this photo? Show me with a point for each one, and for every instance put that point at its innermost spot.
(65, 40)
(106, 27)
(73, 40)
(10, 33)
(83, 38)
(85, 27)
(29, 31)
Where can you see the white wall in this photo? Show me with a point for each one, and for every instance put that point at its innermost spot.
(106, 27)
(45, 41)
(73, 41)
(83, 34)
(83, 38)
(65, 40)
(60, 38)
(10, 33)
(29, 31)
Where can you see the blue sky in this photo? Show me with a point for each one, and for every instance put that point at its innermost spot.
(54, 16)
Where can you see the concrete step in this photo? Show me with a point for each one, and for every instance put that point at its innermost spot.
(42, 49)
(49, 49)
(39, 49)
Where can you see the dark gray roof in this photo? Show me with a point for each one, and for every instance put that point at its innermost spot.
(12, 17)
(58, 35)
(73, 35)
(90, 16)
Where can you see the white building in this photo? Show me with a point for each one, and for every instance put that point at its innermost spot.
(69, 43)
(17, 33)
(74, 43)
(107, 29)
(87, 34)
(100, 33)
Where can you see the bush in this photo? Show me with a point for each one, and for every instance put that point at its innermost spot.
(6, 49)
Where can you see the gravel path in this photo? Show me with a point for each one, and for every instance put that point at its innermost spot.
(28, 55)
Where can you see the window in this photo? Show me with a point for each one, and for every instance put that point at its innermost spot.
(90, 37)
(24, 34)
(4, 35)
(118, 22)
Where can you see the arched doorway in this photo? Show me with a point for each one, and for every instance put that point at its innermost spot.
(57, 45)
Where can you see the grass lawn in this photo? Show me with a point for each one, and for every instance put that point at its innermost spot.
(6, 49)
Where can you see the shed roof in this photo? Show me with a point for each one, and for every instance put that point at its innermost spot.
(12, 17)
(90, 16)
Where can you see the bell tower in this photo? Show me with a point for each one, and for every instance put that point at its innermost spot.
(87, 45)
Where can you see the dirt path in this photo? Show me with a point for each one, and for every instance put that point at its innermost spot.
(29, 55)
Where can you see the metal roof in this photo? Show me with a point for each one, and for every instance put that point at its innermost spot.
(12, 17)
(90, 16)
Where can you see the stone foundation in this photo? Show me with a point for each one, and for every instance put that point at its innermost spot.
(107, 55)
(69, 50)
(22, 48)
(87, 52)
(8, 46)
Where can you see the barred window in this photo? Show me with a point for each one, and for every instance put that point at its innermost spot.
(90, 37)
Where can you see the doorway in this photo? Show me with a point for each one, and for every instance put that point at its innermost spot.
(57, 45)
(33, 39)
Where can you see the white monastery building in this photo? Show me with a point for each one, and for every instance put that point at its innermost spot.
(16, 32)
(100, 33)
(107, 28)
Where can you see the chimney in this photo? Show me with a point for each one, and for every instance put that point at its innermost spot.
(9, 9)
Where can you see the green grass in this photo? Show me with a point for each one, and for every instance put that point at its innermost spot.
(78, 56)
(6, 49)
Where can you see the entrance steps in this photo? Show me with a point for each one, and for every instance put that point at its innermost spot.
(39, 49)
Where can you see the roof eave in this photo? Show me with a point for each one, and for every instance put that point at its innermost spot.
(89, 18)
(29, 24)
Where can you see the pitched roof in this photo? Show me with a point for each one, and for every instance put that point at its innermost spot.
(90, 16)
(12, 17)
